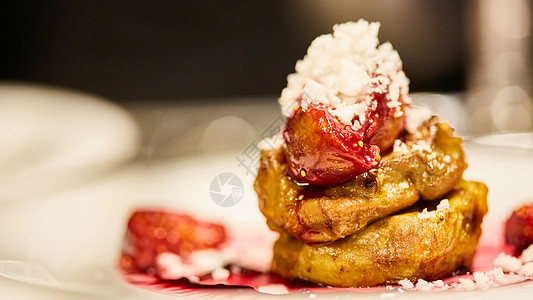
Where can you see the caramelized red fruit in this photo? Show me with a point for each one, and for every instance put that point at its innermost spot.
(384, 123)
(519, 228)
(323, 151)
(151, 232)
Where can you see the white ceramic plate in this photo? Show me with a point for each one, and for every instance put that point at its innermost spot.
(67, 245)
(53, 138)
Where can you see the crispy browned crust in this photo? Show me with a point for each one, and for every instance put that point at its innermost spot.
(431, 165)
(394, 248)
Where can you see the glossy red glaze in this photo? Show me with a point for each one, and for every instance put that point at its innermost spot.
(322, 151)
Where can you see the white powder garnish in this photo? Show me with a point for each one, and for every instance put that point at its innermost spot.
(425, 214)
(508, 263)
(422, 146)
(527, 269)
(443, 205)
(406, 284)
(498, 275)
(343, 70)
(220, 274)
(273, 289)
(424, 286)
(467, 284)
(482, 280)
(439, 284)
(400, 147)
(172, 266)
(211, 259)
(527, 255)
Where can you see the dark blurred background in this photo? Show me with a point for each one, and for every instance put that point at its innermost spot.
(174, 50)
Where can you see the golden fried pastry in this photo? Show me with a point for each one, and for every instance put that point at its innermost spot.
(426, 164)
(412, 244)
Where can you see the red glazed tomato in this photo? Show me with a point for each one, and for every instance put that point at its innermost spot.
(151, 232)
(321, 150)
(519, 228)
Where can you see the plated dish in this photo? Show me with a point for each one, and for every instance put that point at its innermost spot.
(363, 204)
(362, 190)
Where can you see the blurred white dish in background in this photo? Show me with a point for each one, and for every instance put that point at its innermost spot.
(54, 138)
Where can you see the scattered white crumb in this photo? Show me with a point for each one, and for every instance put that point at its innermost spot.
(424, 286)
(443, 205)
(498, 275)
(467, 284)
(439, 283)
(508, 263)
(482, 280)
(208, 260)
(527, 254)
(527, 269)
(220, 274)
(400, 147)
(406, 284)
(172, 266)
(193, 279)
(422, 146)
(424, 214)
(343, 69)
(273, 289)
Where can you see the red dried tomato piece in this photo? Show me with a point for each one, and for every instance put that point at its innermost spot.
(519, 228)
(151, 232)
(322, 151)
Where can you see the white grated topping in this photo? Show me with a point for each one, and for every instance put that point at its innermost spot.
(508, 263)
(443, 205)
(424, 286)
(439, 283)
(343, 69)
(424, 214)
(467, 284)
(422, 146)
(273, 289)
(202, 262)
(220, 274)
(527, 255)
(482, 280)
(527, 269)
(406, 284)
(498, 275)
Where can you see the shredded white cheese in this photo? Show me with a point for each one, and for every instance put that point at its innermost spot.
(343, 70)
(508, 263)
(527, 255)
(443, 205)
